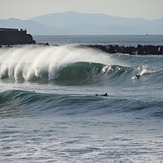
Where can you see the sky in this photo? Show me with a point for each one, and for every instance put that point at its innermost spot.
(26, 9)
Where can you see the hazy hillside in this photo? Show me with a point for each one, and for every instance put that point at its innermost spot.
(71, 18)
(74, 23)
(31, 26)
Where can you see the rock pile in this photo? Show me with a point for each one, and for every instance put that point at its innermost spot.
(140, 49)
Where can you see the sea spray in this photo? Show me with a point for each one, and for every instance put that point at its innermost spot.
(28, 62)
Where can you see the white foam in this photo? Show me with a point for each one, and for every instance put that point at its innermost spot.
(143, 70)
(27, 62)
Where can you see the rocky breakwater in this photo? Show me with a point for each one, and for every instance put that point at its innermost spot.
(139, 50)
(11, 36)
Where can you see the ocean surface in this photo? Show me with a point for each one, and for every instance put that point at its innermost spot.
(53, 108)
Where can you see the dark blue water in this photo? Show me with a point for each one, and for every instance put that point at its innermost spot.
(52, 107)
(125, 40)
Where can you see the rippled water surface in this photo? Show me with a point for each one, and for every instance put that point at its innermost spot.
(53, 108)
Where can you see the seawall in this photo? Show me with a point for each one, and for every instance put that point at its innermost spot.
(139, 50)
(12, 36)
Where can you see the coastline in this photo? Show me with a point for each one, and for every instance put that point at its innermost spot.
(11, 37)
(112, 49)
(139, 50)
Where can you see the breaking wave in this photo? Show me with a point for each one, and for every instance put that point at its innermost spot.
(68, 65)
(30, 63)
(73, 66)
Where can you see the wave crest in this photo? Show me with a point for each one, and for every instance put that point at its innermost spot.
(28, 63)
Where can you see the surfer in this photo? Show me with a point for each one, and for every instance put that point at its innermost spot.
(105, 94)
(137, 76)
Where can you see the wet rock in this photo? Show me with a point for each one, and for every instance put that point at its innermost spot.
(139, 50)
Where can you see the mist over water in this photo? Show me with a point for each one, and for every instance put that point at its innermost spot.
(52, 107)
(29, 62)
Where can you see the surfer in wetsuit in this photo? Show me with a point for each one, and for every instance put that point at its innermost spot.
(137, 76)
(105, 94)
(102, 94)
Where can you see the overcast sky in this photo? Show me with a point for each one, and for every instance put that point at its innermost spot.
(26, 9)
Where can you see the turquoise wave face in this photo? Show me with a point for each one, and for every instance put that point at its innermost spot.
(47, 63)
(17, 103)
(87, 73)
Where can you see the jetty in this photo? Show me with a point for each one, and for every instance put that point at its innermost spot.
(13, 36)
(138, 50)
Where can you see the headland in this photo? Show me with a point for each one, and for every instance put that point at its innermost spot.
(13, 36)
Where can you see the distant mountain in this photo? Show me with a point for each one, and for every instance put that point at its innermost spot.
(74, 23)
(67, 19)
(82, 23)
(31, 26)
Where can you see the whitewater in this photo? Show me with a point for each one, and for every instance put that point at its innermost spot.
(53, 108)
